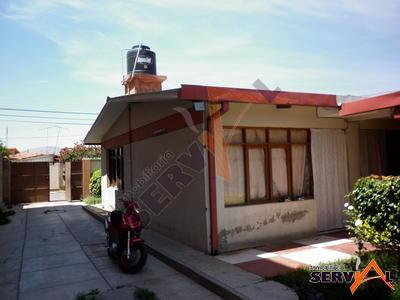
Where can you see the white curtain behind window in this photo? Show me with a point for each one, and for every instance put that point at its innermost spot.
(329, 161)
(234, 189)
(279, 173)
(257, 173)
(299, 169)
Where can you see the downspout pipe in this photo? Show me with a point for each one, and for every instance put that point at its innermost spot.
(130, 148)
(212, 176)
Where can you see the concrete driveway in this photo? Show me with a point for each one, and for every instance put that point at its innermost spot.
(56, 250)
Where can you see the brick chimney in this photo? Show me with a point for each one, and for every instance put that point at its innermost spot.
(142, 83)
(141, 71)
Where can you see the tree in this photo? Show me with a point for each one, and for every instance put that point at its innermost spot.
(79, 151)
(4, 152)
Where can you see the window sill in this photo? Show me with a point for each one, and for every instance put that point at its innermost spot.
(259, 202)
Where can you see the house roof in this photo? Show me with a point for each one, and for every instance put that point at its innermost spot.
(227, 94)
(116, 105)
(385, 101)
(32, 157)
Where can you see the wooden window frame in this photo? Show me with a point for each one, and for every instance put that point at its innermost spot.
(115, 167)
(267, 146)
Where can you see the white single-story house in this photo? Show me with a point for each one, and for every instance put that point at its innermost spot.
(221, 169)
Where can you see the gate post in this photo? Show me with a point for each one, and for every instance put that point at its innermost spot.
(85, 177)
(68, 187)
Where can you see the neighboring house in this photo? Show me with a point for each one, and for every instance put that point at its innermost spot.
(227, 168)
(33, 157)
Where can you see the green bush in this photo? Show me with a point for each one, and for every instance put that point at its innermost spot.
(95, 184)
(374, 212)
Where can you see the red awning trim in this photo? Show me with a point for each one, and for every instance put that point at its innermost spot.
(370, 104)
(224, 94)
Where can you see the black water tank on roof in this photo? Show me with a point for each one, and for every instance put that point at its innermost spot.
(146, 60)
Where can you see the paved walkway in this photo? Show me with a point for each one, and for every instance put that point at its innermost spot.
(223, 278)
(56, 250)
(276, 259)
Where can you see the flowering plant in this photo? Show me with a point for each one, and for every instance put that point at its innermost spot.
(79, 151)
(374, 212)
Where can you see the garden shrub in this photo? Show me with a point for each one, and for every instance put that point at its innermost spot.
(95, 184)
(92, 200)
(79, 151)
(374, 212)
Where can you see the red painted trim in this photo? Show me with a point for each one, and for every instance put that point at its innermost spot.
(370, 104)
(222, 94)
(130, 146)
(212, 177)
(168, 124)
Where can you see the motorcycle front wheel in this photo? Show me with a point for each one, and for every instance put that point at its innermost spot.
(136, 260)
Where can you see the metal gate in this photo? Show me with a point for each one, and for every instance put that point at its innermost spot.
(30, 182)
(76, 180)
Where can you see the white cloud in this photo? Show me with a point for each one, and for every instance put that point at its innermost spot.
(91, 34)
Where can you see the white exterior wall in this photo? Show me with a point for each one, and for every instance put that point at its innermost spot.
(107, 192)
(186, 217)
(252, 225)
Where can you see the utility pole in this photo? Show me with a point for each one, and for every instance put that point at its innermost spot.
(6, 141)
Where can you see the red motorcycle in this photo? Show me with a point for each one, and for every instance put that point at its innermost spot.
(123, 238)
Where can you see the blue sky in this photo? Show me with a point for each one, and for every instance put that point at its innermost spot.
(66, 54)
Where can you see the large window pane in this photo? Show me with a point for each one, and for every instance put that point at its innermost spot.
(279, 173)
(298, 136)
(233, 136)
(255, 136)
(257, 174)
(278, 136)
(234, 189)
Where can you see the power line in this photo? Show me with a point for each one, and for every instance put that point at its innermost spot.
(42, 117)
(39, 122)
(49, 111)
(42, 137)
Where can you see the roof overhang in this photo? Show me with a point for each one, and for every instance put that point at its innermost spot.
(374, 107)
(226, 94)
(114, 107)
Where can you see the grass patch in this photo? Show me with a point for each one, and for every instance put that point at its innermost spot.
(91, 200)
(92, 295)
(299, 280)
(144, 294)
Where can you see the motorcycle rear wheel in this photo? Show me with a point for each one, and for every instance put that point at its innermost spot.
(136, 261)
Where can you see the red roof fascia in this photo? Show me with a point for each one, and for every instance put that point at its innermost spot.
(370, 104)
(225, 94)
